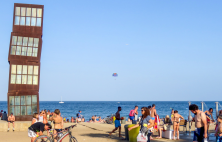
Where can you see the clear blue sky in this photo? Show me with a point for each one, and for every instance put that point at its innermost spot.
(161, 49)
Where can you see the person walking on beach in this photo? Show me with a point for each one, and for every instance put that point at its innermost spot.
(176, 123)
(145, 123)
(132, 113)
(200, 123)
(209, 113)
(11, 119)
(117, 122)
(38, 127)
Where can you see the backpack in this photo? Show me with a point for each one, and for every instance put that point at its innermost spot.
(77, 114)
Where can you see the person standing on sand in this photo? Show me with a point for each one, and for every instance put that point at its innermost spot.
(153, 114)
(176, 123)
(200, 123)
(117, 122)
(209, 113)
(11, 119)
(132, 113)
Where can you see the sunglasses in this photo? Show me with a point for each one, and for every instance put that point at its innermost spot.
(142, 110)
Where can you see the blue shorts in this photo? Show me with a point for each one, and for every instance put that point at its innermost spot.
(131, 117)
(153, 118)
(219, 139)
(198, 135)
(117, 123)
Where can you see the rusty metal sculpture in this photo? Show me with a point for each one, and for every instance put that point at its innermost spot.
(24, 60)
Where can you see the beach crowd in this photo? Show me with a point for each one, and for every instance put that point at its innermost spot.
(148, 122)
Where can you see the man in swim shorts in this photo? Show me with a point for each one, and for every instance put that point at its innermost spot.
(11, 119)
(153, 112)
(37, 127)
(200, 123)
(117, 122)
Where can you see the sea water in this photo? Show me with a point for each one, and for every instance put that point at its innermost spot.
(104, 108)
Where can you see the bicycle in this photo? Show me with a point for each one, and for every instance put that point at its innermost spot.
(60, 136)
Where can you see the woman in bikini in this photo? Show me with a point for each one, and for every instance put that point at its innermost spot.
(209, 113)
(176, 123)
(58, 122)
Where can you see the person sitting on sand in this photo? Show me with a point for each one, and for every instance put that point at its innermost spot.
(218, 132)
(146, 123)
(83, 119)
(37, 127)
(1, 113)
(176, 123)
(93, 118)
(11, 119)
(58, 122)
(72, 120)
(160, 128)
(117, 122)
(90, 121)
(35, 118)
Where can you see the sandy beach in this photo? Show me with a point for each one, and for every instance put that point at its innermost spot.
(86, 132)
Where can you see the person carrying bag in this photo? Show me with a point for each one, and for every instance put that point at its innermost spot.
(146, 124)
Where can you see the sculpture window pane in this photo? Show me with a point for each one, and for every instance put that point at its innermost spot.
(28, 19)
(17, 20)
(13, 69)
(18, 50)
(24, 51)
(23, 10)
(17, 100)
(28, 12)
(17, 110)
(11, 100)
(23, 110)
(29, 110)
(17, 11)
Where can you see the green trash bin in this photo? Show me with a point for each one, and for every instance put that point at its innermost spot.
(133, 133)
(123, 121)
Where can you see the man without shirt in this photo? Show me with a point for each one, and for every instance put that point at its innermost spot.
(153, 112)
(38, 127)
(11, 119)
(200, 123)
(117, 122)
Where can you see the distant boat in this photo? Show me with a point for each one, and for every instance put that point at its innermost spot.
(118, 102)
(61, 101)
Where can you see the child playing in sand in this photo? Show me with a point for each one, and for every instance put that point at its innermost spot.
(218, 133)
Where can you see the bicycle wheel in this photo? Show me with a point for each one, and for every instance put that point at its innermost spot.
(43, 138)
(73, 139)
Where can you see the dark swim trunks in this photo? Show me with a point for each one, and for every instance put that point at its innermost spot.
(58, 130)
(198, 134)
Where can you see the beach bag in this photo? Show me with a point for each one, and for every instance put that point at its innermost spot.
(142, 137)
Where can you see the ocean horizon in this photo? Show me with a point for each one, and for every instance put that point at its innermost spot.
(104, 108)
